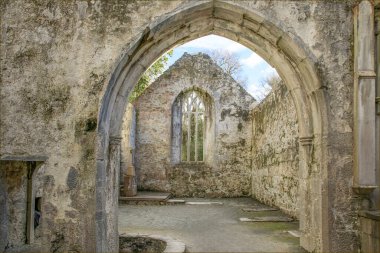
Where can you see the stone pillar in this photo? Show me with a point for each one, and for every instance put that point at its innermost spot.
(309, 193)
(376, 196)
(132, 139)
(364, 101)
(128, 142)
(112, 194)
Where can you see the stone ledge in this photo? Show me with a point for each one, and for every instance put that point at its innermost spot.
(24, 158)
(373, 215)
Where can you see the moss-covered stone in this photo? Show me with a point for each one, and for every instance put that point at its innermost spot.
(275, 162)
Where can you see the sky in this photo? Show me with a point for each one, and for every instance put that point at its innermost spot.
(254, 68)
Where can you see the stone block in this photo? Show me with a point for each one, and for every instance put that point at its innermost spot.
(370, 227)
(232, 16)
(270, 32)
(251, 24)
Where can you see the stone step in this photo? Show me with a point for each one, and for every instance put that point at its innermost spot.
(295, 233)
(203, 203)
(146, 198)
(260, 209)
(267, 219)
(176, 201)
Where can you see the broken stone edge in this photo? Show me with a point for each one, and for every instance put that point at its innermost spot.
(172, 245)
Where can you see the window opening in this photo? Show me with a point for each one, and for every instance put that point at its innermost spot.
(37, 212)
(193, 110)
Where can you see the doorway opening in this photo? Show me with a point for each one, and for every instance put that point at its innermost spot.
(295, 67)
(196, 142)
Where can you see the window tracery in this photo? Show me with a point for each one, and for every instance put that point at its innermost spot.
(193, 119)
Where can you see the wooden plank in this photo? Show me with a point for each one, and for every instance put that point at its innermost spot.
(30, 203)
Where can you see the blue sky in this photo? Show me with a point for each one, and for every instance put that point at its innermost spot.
(254, 68)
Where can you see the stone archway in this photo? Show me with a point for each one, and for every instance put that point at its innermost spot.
(294, 63)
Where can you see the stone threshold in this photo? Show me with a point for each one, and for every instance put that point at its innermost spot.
(145, 197)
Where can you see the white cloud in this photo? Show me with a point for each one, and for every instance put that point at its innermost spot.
(252, 61)
(259, 92)
(268, 71)
(214, 42)
(255, 69)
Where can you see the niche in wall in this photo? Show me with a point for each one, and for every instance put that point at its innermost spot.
(17, 200)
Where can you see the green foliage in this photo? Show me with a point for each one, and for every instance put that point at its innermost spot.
(150, 75)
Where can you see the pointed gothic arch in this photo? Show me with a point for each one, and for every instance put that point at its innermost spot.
(294, 63)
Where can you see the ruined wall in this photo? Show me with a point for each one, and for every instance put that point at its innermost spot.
(275, 162)
(225, 174)
(58, 56)
(13, 202)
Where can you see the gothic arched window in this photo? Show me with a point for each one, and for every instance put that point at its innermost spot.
(193, 131)
(193, 128)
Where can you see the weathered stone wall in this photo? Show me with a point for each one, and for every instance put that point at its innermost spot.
(370, 231)
(13, 203)
(58, 56)
(225, 174)
(275, 162)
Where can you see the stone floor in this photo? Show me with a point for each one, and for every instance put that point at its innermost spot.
(212, 227)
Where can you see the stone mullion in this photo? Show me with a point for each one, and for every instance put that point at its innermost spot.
(196, 134)
(188, 135)
(204, 135)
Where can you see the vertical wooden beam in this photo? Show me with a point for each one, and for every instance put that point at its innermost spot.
(31, 166)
